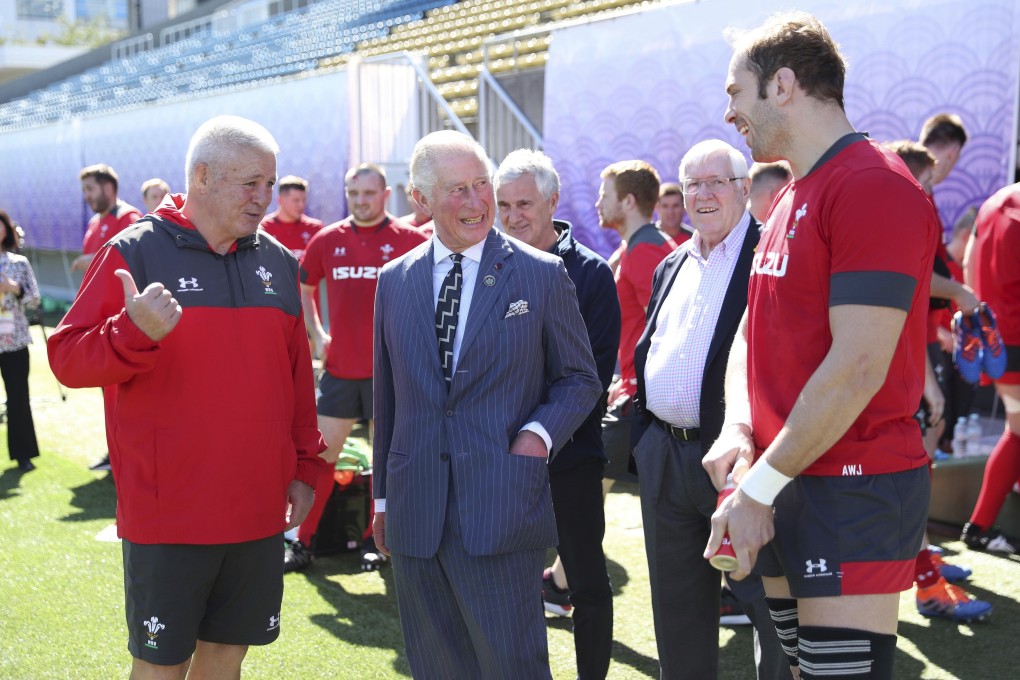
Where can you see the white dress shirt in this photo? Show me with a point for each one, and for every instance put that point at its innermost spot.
(685, 326)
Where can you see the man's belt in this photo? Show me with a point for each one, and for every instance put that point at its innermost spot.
(684, 434)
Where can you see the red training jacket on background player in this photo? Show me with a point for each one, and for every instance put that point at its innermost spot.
(646, 249)
(293, 235)
(349, 258)
(857, 230)
(102, 229)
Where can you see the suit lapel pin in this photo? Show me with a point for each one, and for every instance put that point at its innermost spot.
(498, 266)
(489, 280)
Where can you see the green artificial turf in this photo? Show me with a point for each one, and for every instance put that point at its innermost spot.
(61, 598)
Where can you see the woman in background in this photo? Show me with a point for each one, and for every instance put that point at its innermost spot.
(18, 291)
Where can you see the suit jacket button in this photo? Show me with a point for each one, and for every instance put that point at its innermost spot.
(444, 457)
(449, 412)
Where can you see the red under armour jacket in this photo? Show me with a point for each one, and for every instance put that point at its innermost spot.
(207, 427)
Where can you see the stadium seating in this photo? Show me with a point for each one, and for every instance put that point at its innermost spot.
(457, 39)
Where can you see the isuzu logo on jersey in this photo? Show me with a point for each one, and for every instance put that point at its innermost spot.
(341, 273)
(386, 250)
(770, 264)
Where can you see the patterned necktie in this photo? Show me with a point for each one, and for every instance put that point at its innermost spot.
(447, 310)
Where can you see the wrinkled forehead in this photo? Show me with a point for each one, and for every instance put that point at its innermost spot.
(459, 167)
(522, 187)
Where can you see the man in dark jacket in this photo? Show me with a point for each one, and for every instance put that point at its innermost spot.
(527, 191)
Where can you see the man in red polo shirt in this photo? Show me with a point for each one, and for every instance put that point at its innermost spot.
(348, 255)
(99, 187)
(827, 371)
(289, 224)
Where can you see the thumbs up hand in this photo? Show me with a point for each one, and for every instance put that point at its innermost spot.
(154, 310)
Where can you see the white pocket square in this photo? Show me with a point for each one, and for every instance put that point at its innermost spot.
(517, 308)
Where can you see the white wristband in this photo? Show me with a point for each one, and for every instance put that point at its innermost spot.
(763, 482)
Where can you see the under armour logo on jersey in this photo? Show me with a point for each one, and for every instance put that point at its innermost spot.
(274, 621)
(819, 565)
(339, 252)
(188, 285)
(386, 250)
(305, 236)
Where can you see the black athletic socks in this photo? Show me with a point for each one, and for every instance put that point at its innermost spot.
(784, 616)
(833, 653)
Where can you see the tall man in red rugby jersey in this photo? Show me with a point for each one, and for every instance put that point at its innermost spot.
(289, 224)
(827, 370)
(348, 255)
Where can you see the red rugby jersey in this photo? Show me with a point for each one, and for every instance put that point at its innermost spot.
(997, 274)
(857, 230)
(293, 235)
(349, 258)
(102, 229)
(646, 249)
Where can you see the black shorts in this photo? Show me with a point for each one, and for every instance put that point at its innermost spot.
(178, 594)
(853, 535)
(339, 398)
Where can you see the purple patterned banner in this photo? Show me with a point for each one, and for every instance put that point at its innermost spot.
(650, 85)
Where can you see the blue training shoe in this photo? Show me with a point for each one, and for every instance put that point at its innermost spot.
(967, 347)
(950, 572)
(946, 601)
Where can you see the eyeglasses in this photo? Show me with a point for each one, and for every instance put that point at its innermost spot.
(713, 184)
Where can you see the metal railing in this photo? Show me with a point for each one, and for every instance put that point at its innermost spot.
(502, 126)
(394, 104)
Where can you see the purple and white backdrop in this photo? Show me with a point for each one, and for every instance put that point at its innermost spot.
(39, 185)
(650, 85)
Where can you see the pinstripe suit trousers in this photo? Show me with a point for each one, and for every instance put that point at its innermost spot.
(472, 617)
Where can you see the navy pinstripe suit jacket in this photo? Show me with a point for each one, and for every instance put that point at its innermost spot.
(510, 371)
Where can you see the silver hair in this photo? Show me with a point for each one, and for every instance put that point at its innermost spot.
(219, 138)
(702, 150)
(431, 149)
(527, 162)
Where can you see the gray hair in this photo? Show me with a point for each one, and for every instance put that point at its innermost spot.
(431, 148)
(527, 162)
(219, 138)
(702, 150)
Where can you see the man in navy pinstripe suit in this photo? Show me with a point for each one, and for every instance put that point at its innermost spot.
(461, 482)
